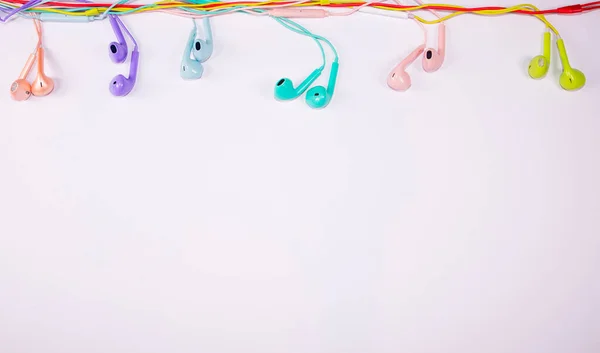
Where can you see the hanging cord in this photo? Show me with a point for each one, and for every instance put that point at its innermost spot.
(122, 25)
(296, 27)
(207, 28)
(410, 15)
(38, 29)
(292, 27)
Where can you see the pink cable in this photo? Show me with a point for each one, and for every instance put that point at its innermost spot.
(417, 21)
(356, 9)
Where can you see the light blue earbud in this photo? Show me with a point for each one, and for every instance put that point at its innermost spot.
(196, 52)
(319, 97)
(284, 88)
(190, 69)
(203, 48)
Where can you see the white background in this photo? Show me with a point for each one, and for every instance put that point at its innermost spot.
(459, 216)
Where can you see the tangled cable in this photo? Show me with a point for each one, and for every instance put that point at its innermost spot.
(198, 51)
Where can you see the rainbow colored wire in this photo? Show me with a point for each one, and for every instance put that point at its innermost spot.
(206, 8)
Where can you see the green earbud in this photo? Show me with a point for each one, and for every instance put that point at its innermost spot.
(571, 79)
(539, 65)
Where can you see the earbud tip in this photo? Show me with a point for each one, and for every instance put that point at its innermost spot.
(202, 50)
(572, 80)
(399, 81)
(317, 98)
(192, 70)
(117, 52)
(281, 82)
(284, 90)
(538, 67)
(432, 61)
(20, 90)
(119, 86)
(42, 86)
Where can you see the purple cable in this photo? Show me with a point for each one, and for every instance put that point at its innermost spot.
(25, 6)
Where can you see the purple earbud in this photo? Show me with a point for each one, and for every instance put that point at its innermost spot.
(120, 85)
(117, 50)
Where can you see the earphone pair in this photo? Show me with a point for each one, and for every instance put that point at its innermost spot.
(570, 79)
(432, 60)
(120, 85)
(197, 51)
(42, 85)
(318, 96)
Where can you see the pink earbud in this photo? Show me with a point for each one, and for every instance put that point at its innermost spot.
(20, 89)
(434, 59)
(42, 85)
(398, 79)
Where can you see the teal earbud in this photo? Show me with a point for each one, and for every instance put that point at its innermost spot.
(319, 97)
(284, 88)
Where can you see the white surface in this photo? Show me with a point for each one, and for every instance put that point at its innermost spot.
(460, 216)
